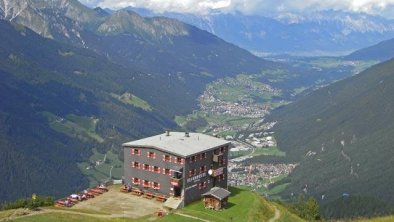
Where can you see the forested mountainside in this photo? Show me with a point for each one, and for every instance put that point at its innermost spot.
(342, 135)
(57, 103)
(381, 51)
(162, 47)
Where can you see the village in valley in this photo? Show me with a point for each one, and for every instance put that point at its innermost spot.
(235, 109)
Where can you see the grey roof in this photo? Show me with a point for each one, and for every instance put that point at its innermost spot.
(177, 143)
(217, 192)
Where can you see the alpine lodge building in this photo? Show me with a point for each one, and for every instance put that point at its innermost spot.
(180, 165)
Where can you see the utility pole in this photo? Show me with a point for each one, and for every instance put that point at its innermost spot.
(110, 172)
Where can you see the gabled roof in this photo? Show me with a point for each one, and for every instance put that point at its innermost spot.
(179, 144)
(217, 192)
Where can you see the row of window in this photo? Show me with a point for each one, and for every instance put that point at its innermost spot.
(174, 159)
(220, 150)
(145, 183)
(148, 167)
(204, 184)
(152, 155)
(203, 169)
(220, 177)
(194, 172)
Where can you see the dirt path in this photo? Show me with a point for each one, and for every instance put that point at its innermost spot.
(276, 216)
(196, 218)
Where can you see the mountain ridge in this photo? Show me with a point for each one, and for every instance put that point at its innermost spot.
(382, 51)
(291, 33)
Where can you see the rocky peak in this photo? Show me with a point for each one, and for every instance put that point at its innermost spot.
(129, 22)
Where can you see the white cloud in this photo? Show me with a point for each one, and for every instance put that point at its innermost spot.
(382, 7)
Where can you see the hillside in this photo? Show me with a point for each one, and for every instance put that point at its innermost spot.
(57, 105)
(342, 135)
(381, 51)
(128, 207)
(171, 51)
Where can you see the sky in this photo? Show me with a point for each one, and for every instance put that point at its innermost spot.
(257, 7)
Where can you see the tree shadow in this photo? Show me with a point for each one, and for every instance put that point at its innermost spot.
(234, 191)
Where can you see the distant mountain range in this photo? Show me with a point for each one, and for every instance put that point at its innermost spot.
(316, 33)
(74, 78)
(160, 46)
(343, 136)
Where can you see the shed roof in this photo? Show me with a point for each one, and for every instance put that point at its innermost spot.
(180, 144)
(217, 192)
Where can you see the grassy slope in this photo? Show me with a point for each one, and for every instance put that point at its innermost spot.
(378, 219)
(99, 174)
(244, 206)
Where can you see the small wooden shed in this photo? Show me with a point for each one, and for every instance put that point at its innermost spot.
(216, 198)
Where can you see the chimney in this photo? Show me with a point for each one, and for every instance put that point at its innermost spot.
(167, 132)
(187, 134)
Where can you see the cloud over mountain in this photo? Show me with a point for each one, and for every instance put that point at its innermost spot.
(381, 7)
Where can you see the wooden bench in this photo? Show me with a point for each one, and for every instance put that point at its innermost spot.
(137, 192)
(148, 195)
(161, 198)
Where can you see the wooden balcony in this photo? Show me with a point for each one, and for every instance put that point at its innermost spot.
(217, 157)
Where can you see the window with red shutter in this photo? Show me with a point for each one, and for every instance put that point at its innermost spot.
(135, 151)
(146, 183)
(136, 181)
(156, 185)
(136, 164)
(166, 158)
(151, 155)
